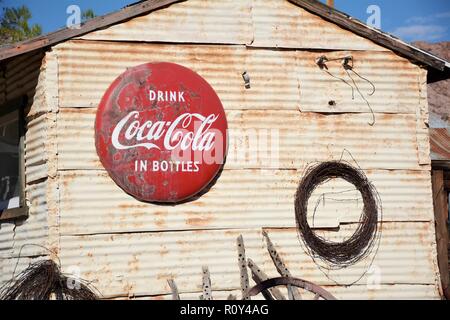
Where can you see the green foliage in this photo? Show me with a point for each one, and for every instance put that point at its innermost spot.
(87, 15)
(14, 25)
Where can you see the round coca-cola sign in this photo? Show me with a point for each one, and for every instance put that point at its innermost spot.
(161, 132)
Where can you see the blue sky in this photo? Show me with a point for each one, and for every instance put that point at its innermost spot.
(411, 20)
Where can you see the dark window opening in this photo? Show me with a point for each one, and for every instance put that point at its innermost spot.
(12, 199)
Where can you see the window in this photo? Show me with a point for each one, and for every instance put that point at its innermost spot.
(12, 200)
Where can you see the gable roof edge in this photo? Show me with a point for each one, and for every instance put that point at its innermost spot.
(439, 67)
(129, 12)
(379, 37)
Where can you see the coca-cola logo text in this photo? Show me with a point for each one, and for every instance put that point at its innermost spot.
(147, 133)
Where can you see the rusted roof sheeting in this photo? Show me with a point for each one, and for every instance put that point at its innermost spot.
(440, 143)
(144, 7)
(91, 25)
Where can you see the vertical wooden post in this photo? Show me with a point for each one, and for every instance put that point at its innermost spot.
(242, 261)
(440, 203)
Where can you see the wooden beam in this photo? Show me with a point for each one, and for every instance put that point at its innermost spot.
(440, 203)
(359, 28)
(206, 285)
(174, 289)
(242, 263)
(293, 293)
(447, 185)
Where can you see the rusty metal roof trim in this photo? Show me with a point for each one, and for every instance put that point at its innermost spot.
(129, 12)
(316, 7)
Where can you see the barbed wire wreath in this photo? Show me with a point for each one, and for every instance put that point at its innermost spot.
(338, 255)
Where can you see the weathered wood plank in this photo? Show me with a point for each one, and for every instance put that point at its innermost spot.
(440, 200)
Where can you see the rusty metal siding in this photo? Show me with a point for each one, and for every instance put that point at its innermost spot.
(129, 248)
(259, 23)
(281, 24)
(252, 193)
(140, 263)
(395, 83)
(240, 199)
(31, 75)
(295, 80)
(40, 145)
(212, 21)
(393, 143)
(25, 238)
(31, 235)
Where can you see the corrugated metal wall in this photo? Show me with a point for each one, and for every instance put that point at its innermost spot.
(130, 248)
(34, 75)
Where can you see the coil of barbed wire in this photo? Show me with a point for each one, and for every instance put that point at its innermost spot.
(43, 280)
(356, 247)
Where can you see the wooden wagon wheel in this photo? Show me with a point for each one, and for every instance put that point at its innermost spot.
(290, 281)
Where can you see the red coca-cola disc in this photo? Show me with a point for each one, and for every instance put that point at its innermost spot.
(161, 132)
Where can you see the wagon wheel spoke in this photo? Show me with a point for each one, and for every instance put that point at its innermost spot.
(294, 282)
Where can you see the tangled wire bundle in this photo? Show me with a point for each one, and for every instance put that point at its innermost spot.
(43, 281)
(350, 251)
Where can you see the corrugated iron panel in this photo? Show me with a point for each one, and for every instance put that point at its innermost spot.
(404, 255)
(239, 199)
(193, 21)
(260, 23)
(279, 23)
(422, 118)
(279, 79)
(293, 140)
(40, 144)
(393, 80)
(43, 96)
(310, 137)
(31, 235)
(440, 143)
(140, 264)
(40, 147)
(6, 240)
(25, 75)
(35, 154)
(27, 238)
(221, 66)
